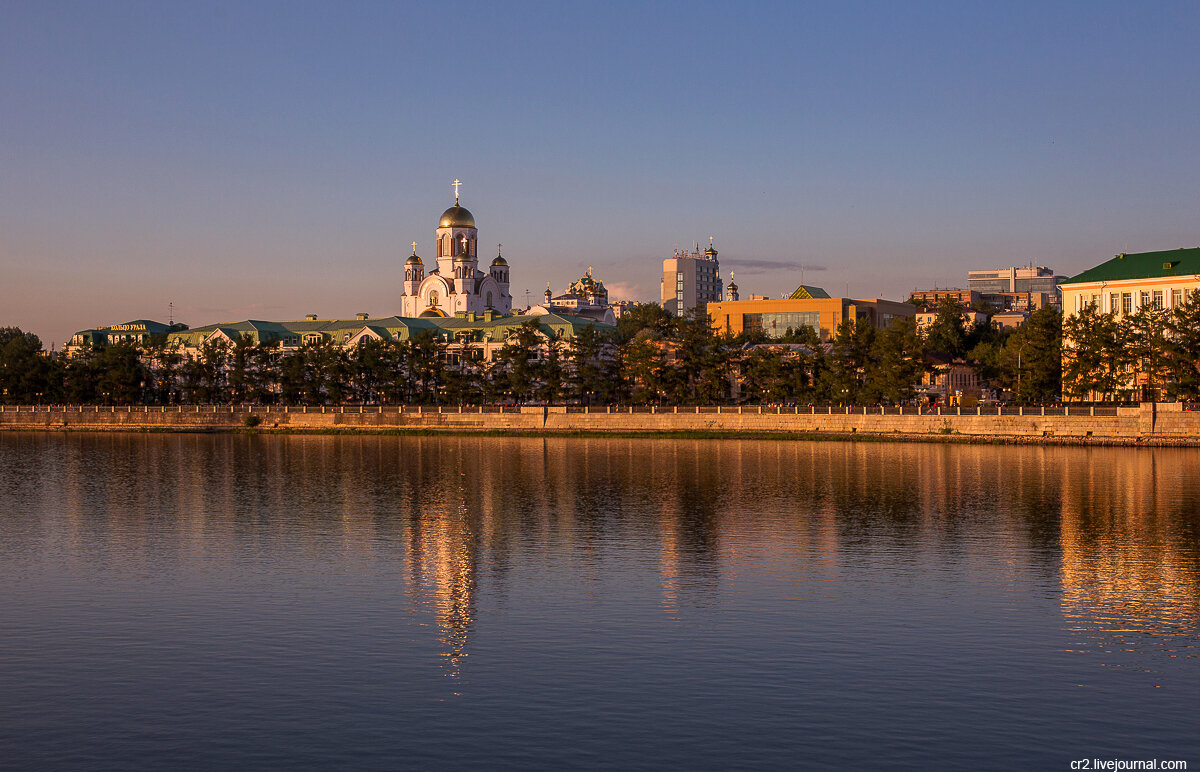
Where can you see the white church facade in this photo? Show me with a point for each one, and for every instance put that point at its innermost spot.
(455, 285)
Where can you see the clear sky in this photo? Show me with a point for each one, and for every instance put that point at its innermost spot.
(268, 160)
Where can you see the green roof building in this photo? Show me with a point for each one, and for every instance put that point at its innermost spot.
(1131, 280)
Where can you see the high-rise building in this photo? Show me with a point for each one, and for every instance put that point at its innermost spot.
(1008, 281)
(690, 279)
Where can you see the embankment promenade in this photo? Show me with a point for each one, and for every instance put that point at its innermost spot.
(1149, 423)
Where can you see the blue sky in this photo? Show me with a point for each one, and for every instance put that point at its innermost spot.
(267, 160)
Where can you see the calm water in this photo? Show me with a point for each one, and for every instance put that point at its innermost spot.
(424, 602)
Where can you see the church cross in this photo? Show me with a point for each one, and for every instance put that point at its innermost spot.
(414, 246)
(456, 184)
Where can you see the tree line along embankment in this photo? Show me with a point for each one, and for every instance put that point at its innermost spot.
(1149, 423)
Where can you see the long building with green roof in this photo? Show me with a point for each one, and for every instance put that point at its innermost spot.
(1127, 283)
(1130, 281)
(488, 331)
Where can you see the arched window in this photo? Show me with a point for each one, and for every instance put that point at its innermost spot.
(433, 298)
(489, 299)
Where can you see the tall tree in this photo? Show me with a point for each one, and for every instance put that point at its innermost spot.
(1027, 361)
(122, 374)
(26, 375)
(948, 333)
(589, 375)
(647, 316)
(701, 370)
(895, 363)
(1182, 354)
(1094, 355)
(644, 368)
(517, 367)
(1146, 346)
(849, 360)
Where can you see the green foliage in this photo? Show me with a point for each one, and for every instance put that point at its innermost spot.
(26, 375)
(1182, 355)
(897, 363)
(1146, 346)
(648, 316)
(665, 361)
(1094, 355)
(948, 333)
(1034, 353)
(850, 361)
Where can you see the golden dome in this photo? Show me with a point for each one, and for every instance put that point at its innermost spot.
(457, 217)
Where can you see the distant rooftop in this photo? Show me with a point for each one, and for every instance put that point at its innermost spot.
(1143, 265)
(808, 292)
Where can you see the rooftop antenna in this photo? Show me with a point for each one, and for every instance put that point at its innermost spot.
(171, 314)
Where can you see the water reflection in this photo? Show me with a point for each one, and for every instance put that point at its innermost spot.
(1131, 559)
(1111, 533)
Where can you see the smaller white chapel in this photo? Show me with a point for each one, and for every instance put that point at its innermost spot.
(456, 285)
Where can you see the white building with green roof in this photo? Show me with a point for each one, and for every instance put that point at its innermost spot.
(1130, 281)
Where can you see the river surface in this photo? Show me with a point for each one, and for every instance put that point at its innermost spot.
(194, 601)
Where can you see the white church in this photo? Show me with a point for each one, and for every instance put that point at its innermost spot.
(456, 285)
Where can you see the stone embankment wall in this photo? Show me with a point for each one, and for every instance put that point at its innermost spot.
(1149, 421)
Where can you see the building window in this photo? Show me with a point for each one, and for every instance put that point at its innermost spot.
(1127, 302)
(1144, 300)
(1158, 299)
(1113, 303)
(779, 324)
(1176, 298)
(1096, 302)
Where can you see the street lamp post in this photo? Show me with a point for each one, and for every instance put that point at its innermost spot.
(1020, 350)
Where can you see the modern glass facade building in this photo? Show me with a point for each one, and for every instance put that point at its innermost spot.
(1031, 279)
(775, 318)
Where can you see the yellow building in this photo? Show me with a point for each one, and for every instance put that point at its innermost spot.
(823, 314)
(1130, 281)
(1124, 285)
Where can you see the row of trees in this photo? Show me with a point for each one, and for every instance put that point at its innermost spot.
(1142, 355)
(651, 358)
